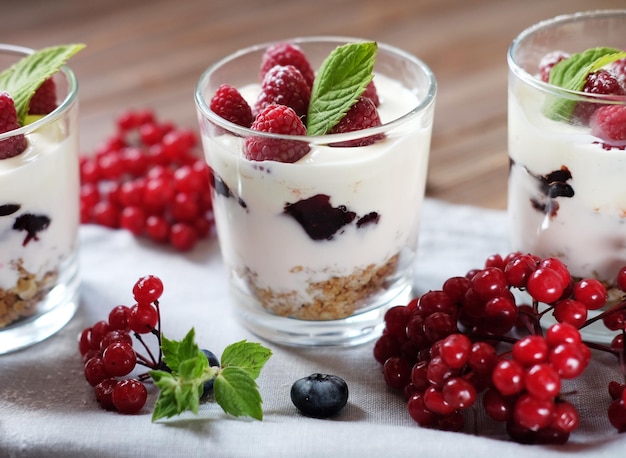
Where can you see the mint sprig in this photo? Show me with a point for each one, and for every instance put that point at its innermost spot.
(340, 81)
(235, 388)
(22, 79)
(571, 74)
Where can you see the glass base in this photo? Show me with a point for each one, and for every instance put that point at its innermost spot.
(354, 330)
(51, 316)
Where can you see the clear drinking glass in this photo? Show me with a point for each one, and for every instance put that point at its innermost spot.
(317, 250)
(567, 193)
(39, 219)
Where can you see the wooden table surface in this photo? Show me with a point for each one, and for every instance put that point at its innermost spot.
(150, 54)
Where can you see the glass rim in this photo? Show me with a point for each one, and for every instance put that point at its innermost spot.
(55, 114)
(423, 105)
(531, 80)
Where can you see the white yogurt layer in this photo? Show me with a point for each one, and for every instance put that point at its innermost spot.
(387, 177)
(588, 230)
(43, 180)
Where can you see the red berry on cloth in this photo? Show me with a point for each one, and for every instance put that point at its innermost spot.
(229, 104)
(277, 119)
(16, 144)
(287, 54)
(285, 85)
(362, 115)
(44, 100)
(609, 124)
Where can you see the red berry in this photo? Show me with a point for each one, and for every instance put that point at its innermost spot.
(147, 289)
(542, 381)
(229, 104)
(129, 396)
(362, 115)
(143, 318)
(371, 93)
(548, 61)
(284, 85)
(601, 82)
(609, 124)
(103, 392)
(545, 285)
(119, 358)
(287, 54)
(44, 99)
(16, 144)
(276, 119)
(508, 377)
(95, 371)
(183, 236)
(591, 292)
(530, 350)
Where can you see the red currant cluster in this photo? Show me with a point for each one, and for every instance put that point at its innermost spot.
(149, 179)
(471, 342)
(108, 353)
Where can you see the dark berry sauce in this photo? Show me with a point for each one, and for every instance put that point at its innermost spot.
(32, 224)
(321, 221)
(222, 189)
(551, 186)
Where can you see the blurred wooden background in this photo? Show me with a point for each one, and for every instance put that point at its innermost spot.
(150, 53)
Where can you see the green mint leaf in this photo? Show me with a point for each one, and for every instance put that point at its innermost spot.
(248, 356)
(174, 353)
(235, 388)
(571, 74)
(237, 393)
(340, 81)
(181, 389)
(23, 78)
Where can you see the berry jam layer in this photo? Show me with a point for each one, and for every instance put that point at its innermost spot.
(304, 236)
(566, 195)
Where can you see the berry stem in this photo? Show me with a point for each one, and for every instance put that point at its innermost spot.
(614, 309)
(152, 363)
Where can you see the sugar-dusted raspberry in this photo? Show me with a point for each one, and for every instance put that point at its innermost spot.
(284, 85)
(548, 61)
(16, 144)
(229, 104)
(361, 115)
(287, 54)
(44, 100)
(609, 124)
(618, 68)
(371, 93)
(601, 82)
(277, 119)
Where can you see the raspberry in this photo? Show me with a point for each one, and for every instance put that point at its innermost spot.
(548, 61)
(361, 115)
(16, 144)
(371, 93)
(601, 82)
(287, 54)
(285, 85)
(44, 100)
(229, 104)
(609, 124)
(277, 119)
(619, 69)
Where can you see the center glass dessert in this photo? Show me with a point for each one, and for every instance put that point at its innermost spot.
(318, 230)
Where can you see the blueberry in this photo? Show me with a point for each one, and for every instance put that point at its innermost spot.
(319, 395)
(213, 362)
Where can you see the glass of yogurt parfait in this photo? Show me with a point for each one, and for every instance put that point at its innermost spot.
(39, 210)
(567, 143)
(318, 245)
